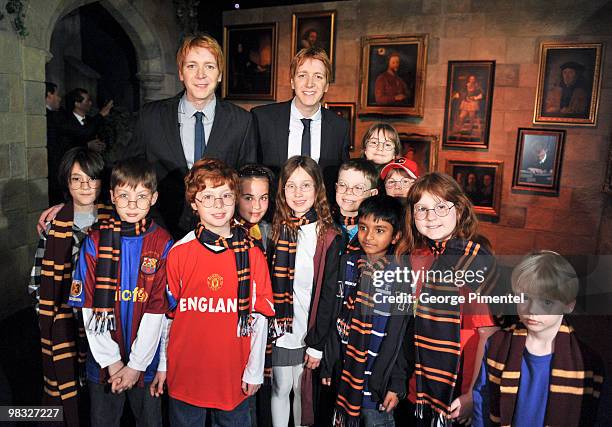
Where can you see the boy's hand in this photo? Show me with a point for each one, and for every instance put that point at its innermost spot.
(390, 402)
(124, 379)
(114, 368)
(311, 362)
(157, 385)
(326, 381)
(250, 389)
(47, 216)
(461, 408)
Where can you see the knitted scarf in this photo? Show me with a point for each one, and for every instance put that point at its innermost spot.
(59, 331)
(253, 229)
(575, 381)
(437, 324)
(355, 328)
(107, 269)
(240, 243)
(348, 221)
(283, 270)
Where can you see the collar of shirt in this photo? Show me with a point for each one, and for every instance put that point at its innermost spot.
(296, 115)
(81, 119)
(186, 110)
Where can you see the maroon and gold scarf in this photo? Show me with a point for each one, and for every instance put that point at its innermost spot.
(107, 269)
(575, 381)
(59, 330)
(240, 243)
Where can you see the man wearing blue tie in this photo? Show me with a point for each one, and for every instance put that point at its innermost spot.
(173, 133)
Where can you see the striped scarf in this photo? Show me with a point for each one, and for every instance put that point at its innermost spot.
(107, 270)
(437, 324)
(355, 328)
(63, 348)
(575, 381)
(283, 270)
(240, 243)
(348, 221)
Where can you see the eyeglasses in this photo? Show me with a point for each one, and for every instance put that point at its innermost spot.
(77, 182)
(375, 143)
(142, 202)
(357, 190)
(208, 200)
(441, 210)
(403, 183)
(305, 187)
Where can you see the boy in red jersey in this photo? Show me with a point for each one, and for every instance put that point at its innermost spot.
(219, 290)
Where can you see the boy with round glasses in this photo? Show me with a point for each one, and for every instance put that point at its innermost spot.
(219, 292)
(120, 283)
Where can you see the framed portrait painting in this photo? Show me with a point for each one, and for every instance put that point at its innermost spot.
(469, 97)
(537, 164)
(568, 84)
(346, 110)
(250, 68)
(393, 75)
(481, 181)
(314, 29)
(422, 149)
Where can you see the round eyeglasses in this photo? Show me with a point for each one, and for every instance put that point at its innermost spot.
(403, 183)
(142, 202)
(77, 182)
(208, 200)
(441, 210)
(305, 187)
(357, 190)
(375, 143)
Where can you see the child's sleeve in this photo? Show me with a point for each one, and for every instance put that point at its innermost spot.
(316, 337)
(173, 282)
(149, 332)
(102, 346)
(254, 371)
(262, 299)
(404, 364)
(163, 344)
(480, 397)
(34, 285)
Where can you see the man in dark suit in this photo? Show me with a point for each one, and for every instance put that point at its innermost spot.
(173, 133)
(302, 126)
(76, 128)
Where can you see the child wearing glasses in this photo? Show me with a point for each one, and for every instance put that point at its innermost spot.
(255, 184)
(120, 284)
(381, 144)
(219, 294)
(305, 254)
(439, 236)
(398, 176)
(79, 174)
(357, 179)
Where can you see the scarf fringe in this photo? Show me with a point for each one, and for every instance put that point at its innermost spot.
(341, 419)
(101, 322)
(245, 328)
(438, 419)
(278, 328)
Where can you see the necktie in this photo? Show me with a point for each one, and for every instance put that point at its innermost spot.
(200, 137)
(306, 137)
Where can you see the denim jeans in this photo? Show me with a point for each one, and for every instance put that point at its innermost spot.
(376, 418)
(183, 414)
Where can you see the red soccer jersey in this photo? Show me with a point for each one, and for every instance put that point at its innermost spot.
(206, 357)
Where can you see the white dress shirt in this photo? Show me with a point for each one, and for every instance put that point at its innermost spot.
(187, 121)
(296, 128)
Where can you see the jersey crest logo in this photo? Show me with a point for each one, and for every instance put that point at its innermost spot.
(76, 288)
(215, 282)
(149, 265)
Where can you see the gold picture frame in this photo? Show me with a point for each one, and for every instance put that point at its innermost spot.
(485, 197)
(569, 84)
(316, 29)
(422, 148)
(392, 75)
(251, 65)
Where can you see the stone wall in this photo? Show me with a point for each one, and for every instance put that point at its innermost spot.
(23, 157)
(509, 32)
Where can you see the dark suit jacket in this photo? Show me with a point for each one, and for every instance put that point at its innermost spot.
(74, 134)
(157, 139)
(272, 123)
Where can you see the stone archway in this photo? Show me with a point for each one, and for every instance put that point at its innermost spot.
(146, 43)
